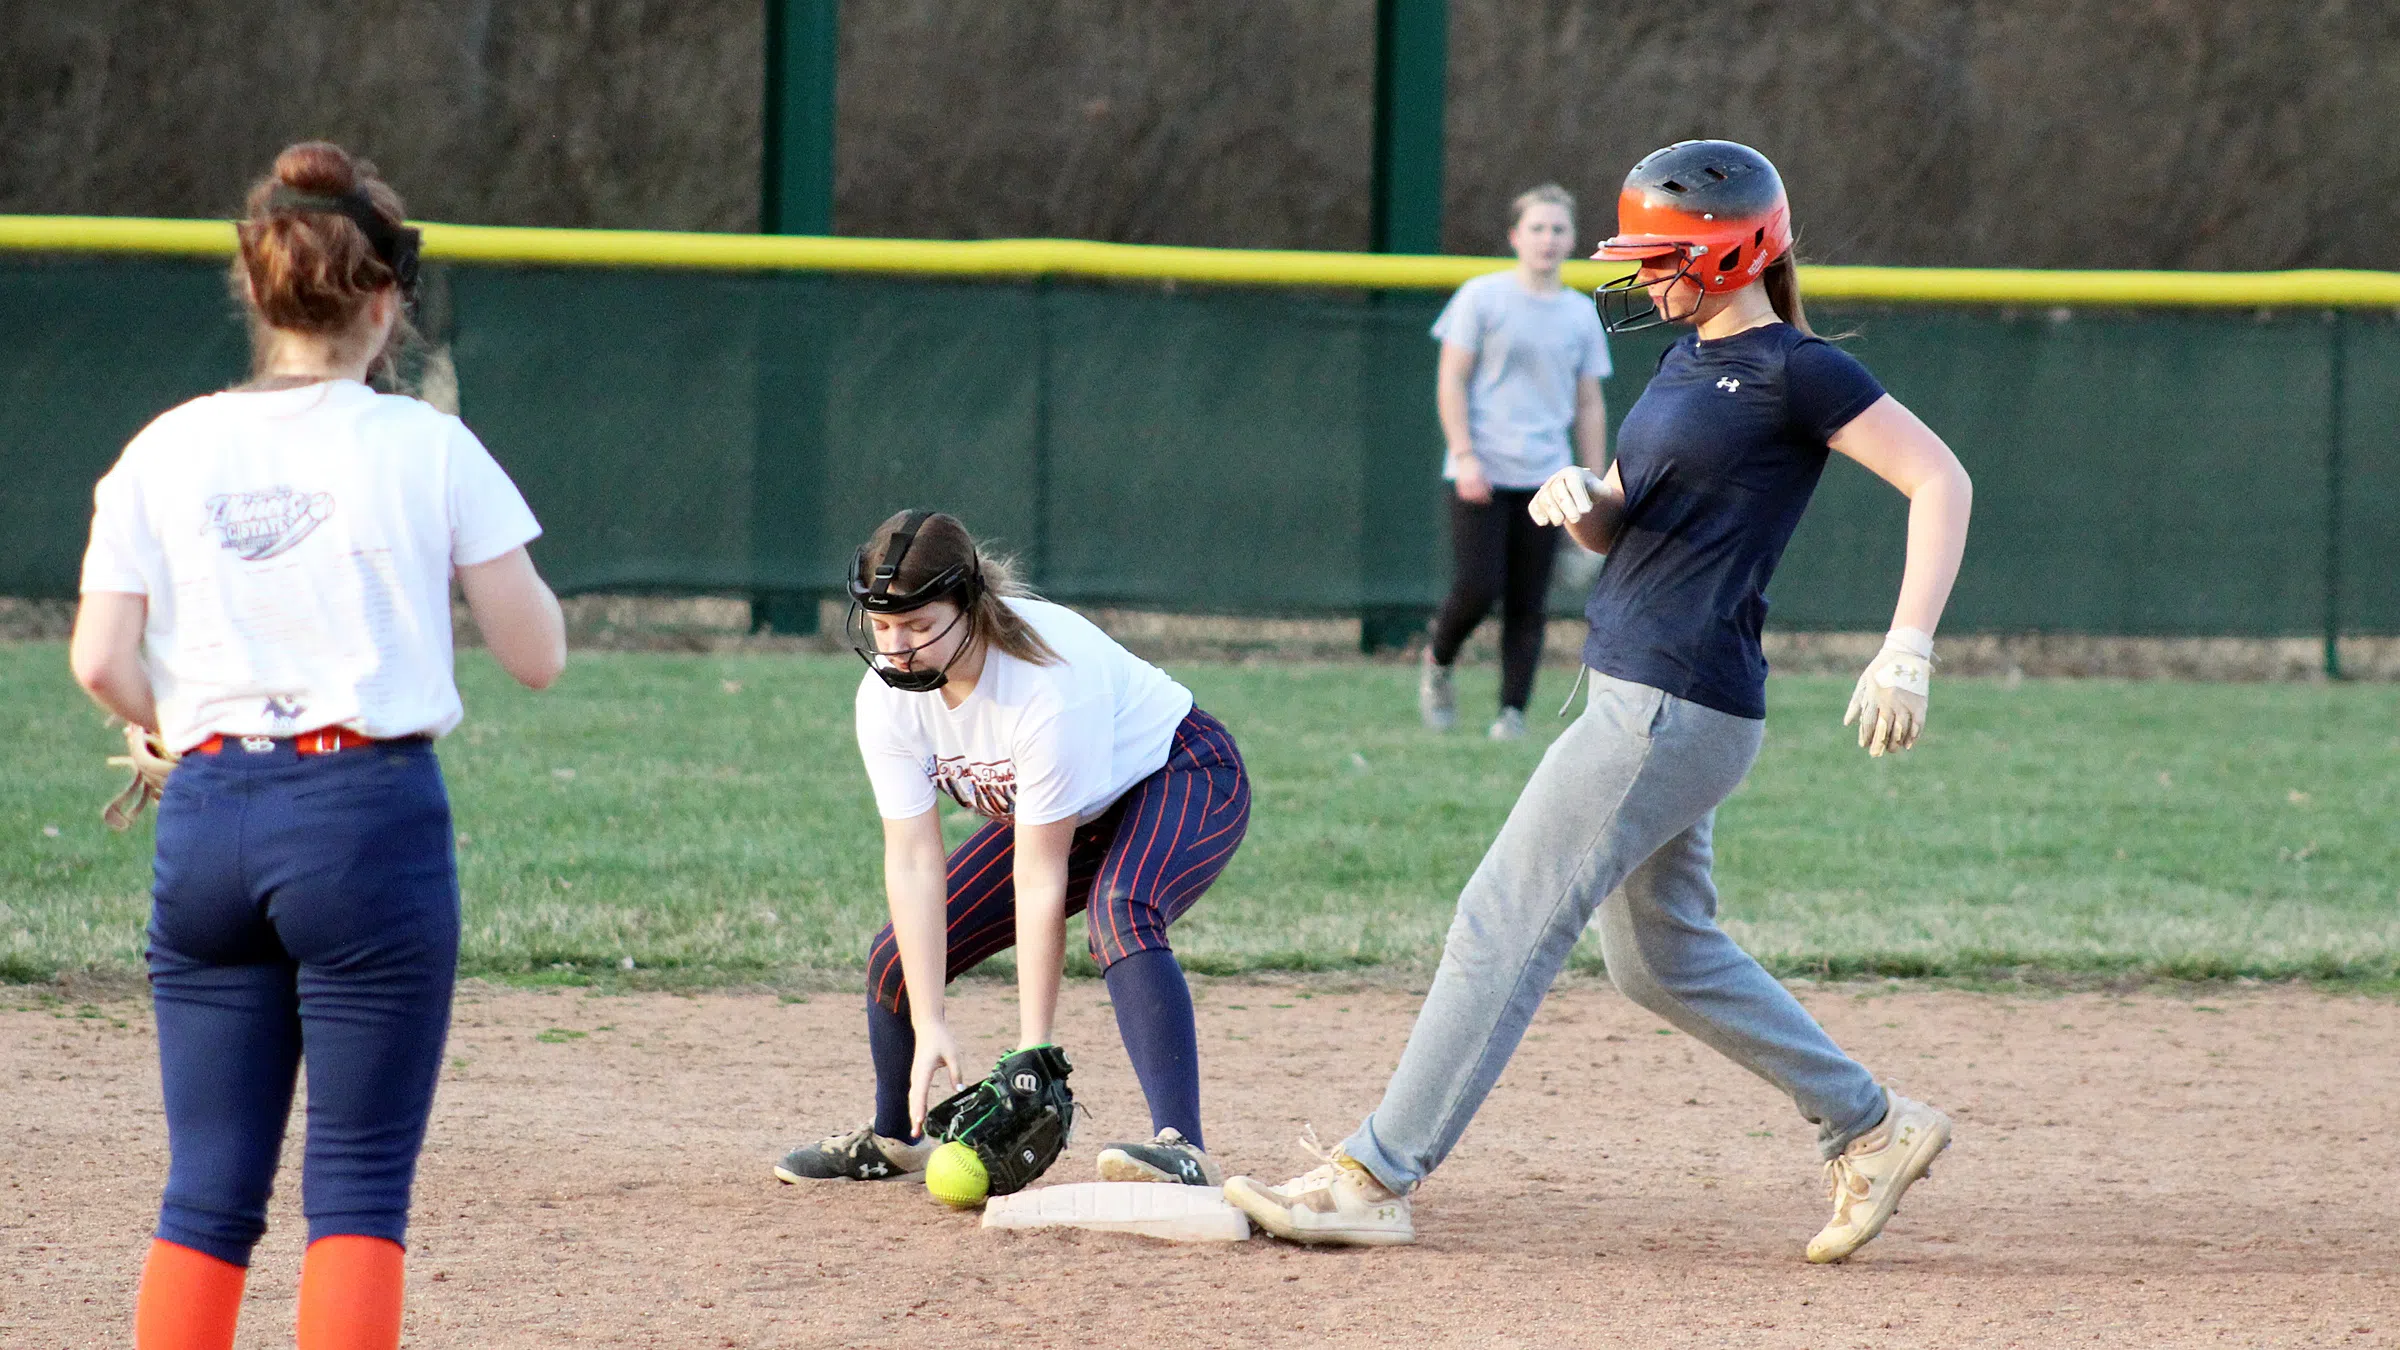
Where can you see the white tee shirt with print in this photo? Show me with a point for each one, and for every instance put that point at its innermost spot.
(1031, 744)
(296, 548)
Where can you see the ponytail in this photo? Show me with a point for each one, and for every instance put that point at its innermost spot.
(1782, 283)
(1782, 280)
(1001, 626)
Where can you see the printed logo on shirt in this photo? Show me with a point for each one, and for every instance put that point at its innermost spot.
(1729, 384)
(257, 526)
(285, 708)
(988, 790)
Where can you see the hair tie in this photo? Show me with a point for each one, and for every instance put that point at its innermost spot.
(396, 245)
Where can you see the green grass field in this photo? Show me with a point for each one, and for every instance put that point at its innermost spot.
(706, 816)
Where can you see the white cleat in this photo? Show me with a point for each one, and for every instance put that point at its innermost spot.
(1339, 1204)
(1868, 1178)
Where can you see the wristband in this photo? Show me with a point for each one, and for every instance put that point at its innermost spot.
(1915, 641)
(1906, 662)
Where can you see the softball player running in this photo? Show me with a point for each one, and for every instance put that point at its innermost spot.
(1522, 361)
(266, 602)
(1715, 464)
(1105, 790)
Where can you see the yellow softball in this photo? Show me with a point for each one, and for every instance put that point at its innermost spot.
(956, 1177)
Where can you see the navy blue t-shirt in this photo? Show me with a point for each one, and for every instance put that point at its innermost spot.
(1719, 457)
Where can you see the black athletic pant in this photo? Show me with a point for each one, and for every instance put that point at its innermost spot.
(1501, 555)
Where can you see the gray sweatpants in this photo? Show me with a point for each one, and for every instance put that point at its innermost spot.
(1617, 819)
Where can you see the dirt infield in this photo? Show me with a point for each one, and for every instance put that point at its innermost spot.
(2207, 1169)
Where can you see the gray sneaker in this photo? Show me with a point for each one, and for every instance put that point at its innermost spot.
(1437, 700)
(1170, 1157)
(860, 1155)
(1510, 725)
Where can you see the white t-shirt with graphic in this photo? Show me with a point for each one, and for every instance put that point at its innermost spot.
(296, 548)
(1031, 744)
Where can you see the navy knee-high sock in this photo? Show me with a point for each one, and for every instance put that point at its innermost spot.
(1154, 1015)
(892, 1044)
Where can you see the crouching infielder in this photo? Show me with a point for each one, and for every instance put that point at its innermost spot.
(1715, 464)
(1106, 792)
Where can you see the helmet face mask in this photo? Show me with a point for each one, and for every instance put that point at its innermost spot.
(898, 668)
(871, 592)
(1718, 204)
(1627, 304)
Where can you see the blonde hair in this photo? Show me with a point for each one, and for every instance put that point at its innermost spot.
(1548, 194)
(943, 543)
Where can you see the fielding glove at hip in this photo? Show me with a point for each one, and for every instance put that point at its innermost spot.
(1889, 703)
(1018, 1120)
(151, 762)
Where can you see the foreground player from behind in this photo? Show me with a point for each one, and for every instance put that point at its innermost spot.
(266, 602)
(1716, 462)
(1103, 787)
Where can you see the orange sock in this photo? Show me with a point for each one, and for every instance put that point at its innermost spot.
(188, 1300)
(350, 1294)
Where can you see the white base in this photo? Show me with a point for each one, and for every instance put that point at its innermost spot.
(1151, 1208)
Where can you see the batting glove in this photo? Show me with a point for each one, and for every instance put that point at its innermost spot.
(1566, 497)
(1889, 703)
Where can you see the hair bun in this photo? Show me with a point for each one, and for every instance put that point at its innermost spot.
(317, 166)
(313, 271)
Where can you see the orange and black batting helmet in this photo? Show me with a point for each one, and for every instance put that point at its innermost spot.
(1718, 206)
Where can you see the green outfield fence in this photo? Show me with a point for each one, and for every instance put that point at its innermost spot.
(1249, 431)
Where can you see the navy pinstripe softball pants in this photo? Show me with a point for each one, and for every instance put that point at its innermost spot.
(1132, 871)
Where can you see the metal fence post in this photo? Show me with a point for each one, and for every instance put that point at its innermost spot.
(795, 197)
(1041, 561)
(1412, 50)
(1412, 53)
(2336, 419)
(797, 143)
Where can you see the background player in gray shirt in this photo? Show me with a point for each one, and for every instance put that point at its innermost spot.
(1522, 360)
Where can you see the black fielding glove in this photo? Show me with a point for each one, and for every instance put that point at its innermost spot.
(1018, 1120)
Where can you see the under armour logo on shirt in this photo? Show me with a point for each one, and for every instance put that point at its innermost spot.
(1729, 384)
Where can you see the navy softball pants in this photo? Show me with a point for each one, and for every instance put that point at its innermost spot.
(1133, 870)
(305, 911)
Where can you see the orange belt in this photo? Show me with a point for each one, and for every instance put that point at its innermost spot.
(323, 742)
